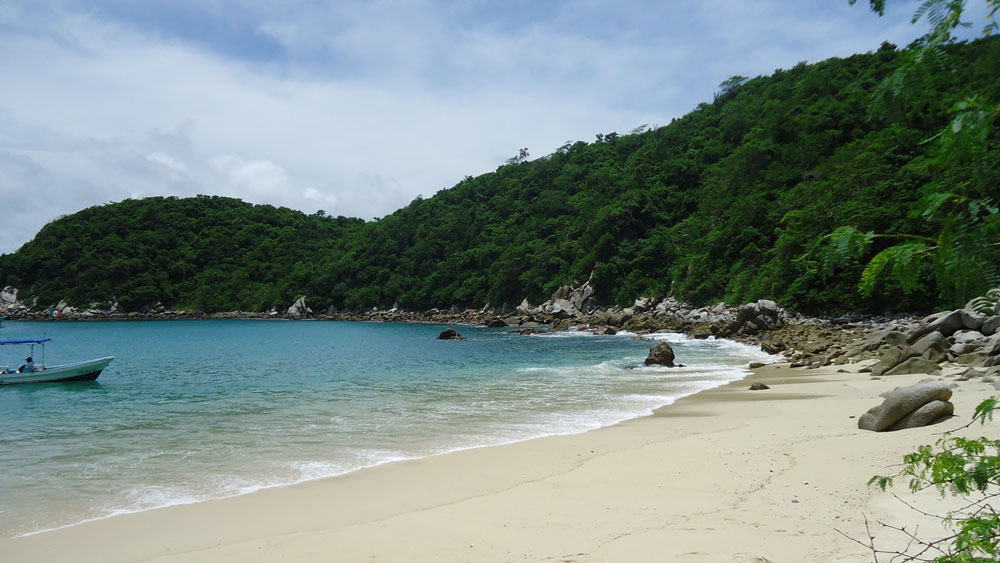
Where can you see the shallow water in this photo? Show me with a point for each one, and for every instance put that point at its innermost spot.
(193, 410)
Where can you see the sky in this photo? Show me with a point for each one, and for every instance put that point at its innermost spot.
(358, 107)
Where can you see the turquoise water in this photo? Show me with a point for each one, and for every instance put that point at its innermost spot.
(193, 410)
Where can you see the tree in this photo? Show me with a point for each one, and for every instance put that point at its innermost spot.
(962, 254)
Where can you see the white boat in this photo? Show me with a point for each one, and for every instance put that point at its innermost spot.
(79, 371)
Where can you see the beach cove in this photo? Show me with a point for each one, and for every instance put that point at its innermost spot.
(723, 475)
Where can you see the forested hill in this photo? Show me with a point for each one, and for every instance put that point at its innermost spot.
(719, 204)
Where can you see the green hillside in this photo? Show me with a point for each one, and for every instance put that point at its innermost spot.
(719, 204)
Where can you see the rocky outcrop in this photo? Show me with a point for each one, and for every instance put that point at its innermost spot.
(661, 354)
(299, 308)
(909, 407)
(753, 318)
(915, 365)
(450, 334)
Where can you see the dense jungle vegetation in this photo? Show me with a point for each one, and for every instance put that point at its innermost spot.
(725, 203)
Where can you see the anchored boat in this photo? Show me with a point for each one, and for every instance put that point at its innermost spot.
(31, 372)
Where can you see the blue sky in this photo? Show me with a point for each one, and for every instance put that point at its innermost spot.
(356, 107)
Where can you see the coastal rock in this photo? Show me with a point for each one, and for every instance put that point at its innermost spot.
(643, 304)
(972, 358)
(8, 296)
(527, 309)
(992, 346)
(889, 358)
(946, 323)
(966, 336)
(528, 331)
(930, 413)
(758, 387)
(915, 365)
(971, 319)
(901, 402)
(450, 334)
(773, 347)
(930, 341)
(299, 308)
(971, 373)
(755, 317)
(661, 354)
(496, 323)
(580, 296)
(562, 309)
(991, 326)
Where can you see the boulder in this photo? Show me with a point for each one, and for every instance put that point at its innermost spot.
(894, 338)
(563, 309)
(930, 413)
(890, 357)
(960, 349)
(661, 354)
(946, 323)
(527, 309)
(773, 347)
(931, 341)
(990, 326)
(496, 323)
(972, 358)
(581, 295)
(643, 304)
(8, 296)
(901, 402)
(758, 387)
(529, 331)
(992, 345)
(971, 373)
(755, 317)
(450, 334)
(966, 336)
(971, 319)
(561, 325)
(915, 365)
(299, 308)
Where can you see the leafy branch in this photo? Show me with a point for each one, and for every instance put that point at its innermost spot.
(958, 466)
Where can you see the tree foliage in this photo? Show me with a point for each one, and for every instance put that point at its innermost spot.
(719, 204)
(961, 252)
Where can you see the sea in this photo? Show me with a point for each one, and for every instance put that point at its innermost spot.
(195, 410)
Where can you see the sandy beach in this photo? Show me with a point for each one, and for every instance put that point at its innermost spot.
(725, 475)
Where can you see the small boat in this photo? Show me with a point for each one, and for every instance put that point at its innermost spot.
(38, 373)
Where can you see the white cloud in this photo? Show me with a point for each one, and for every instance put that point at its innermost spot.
(372, 103)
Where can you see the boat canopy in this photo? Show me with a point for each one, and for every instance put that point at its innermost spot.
(43, 340)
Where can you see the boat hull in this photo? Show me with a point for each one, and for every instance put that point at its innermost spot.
(79, 371)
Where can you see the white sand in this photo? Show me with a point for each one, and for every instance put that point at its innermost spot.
(725, 475)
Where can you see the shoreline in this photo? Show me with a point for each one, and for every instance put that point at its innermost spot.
(643, 489)
(624, 416)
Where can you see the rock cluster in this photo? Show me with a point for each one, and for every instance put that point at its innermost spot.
(910, 407)
(568, 302)
(299, 308)
(963, 336)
